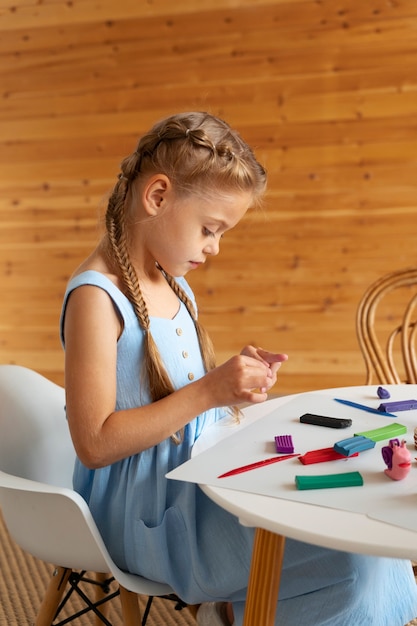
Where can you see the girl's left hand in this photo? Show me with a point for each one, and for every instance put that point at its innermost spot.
(270, 359)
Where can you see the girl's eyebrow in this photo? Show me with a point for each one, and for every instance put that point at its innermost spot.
(217, 221)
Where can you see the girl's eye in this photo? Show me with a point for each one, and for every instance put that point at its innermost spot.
(207, 232)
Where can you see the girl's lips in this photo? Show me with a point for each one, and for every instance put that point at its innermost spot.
(195, 264)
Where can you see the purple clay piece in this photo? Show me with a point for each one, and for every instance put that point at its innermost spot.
(284, 443)
(400, 405)
(384, 394)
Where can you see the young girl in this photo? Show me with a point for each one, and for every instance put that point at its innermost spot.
(141, 385)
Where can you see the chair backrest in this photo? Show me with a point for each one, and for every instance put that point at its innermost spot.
(36, 466)
(386, 325)
(43, 514)
(34, 435)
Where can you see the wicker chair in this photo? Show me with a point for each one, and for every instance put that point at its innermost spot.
(391, 357)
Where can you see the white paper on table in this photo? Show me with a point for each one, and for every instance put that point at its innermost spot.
(380, 497)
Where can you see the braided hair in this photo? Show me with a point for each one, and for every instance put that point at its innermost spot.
(197, 152)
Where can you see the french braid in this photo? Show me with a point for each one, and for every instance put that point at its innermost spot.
(158, 380)
(197, 152)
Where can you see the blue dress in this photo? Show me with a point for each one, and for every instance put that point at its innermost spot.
(169, 531)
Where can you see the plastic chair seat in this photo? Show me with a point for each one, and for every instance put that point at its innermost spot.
(43, 514)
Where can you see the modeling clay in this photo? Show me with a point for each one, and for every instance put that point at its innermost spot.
(397, 459)
(400, 405)
(386, 432)
(347, 447)
(323, 420)
(322, 455)
(283, 443)
(327, 481)
(383, 393)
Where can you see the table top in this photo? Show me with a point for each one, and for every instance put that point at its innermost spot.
(321, 525)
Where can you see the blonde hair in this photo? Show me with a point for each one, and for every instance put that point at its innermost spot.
(198, 153)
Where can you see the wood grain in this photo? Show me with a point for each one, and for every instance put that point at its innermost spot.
(325, 93)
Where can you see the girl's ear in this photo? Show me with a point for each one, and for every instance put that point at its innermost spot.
(155, 193)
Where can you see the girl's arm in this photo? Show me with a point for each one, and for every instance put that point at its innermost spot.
(102, 435)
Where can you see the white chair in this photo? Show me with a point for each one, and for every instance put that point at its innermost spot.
(42, 512)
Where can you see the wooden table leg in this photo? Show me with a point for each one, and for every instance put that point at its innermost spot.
(264, 579)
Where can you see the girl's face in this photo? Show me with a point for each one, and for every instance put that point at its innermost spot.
(189, 229)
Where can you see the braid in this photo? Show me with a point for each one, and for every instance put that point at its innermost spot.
(159, 382)
(197, 150)
(199, 153)
(116, 232)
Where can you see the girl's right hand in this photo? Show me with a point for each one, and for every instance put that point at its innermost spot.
(241, 379)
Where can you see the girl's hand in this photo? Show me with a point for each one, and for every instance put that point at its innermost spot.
(245, 377)
(270, 359)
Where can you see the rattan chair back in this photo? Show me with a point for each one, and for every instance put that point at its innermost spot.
(389, 356)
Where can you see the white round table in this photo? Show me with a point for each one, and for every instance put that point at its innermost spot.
(277, 518)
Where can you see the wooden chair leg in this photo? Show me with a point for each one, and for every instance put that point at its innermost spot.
(130, 607)
(193, 608)
(53, 596)
(264, 579)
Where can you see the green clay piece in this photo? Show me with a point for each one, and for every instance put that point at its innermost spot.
(328, 481)
(386, 432)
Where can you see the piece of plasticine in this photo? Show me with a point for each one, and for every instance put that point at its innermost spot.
(386, 432)
(322, 456)
(284, 443)
(358, 443)
(400, 405)
(329, 481)
(382, 393)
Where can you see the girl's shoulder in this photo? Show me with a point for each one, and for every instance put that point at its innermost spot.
(105, 283)
(92, 277)
(96, 279)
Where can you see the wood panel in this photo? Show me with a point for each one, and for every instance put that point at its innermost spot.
(327, 95)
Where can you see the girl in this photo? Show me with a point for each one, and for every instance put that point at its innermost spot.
(141, 385)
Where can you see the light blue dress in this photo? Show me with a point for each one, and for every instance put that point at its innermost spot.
(170, 531)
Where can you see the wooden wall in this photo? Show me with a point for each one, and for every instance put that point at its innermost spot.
(325, 91)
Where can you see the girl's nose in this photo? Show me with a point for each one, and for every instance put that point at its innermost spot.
(213, 247)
